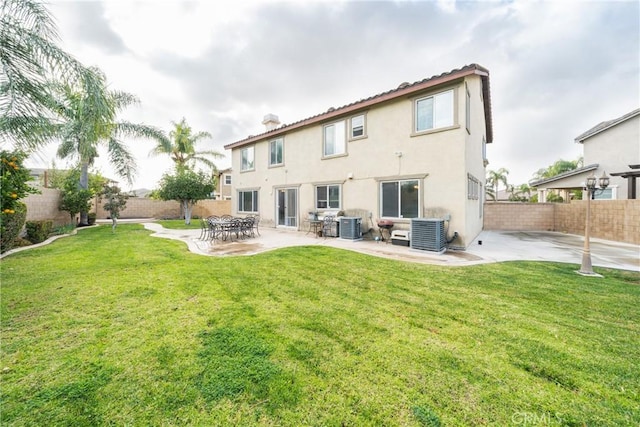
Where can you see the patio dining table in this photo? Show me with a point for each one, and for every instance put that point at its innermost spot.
(226, 227)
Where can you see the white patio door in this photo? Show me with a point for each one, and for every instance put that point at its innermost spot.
(287, 207)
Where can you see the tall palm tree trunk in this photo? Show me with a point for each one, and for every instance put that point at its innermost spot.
(84, 185)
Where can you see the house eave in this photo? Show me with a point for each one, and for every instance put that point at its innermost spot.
(607, 125)
(406, 91)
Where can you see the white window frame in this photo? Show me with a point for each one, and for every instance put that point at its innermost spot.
(254, 201)
(353, 127)
(339, 133)
(473, 187)
(467, 108)
(246, 164)
(226, 179)
(438, 101)
(399, 195)
(328, 199)
(274, 143)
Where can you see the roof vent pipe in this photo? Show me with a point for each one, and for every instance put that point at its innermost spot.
(270, 122)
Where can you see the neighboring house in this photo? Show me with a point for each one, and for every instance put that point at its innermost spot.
(223, 184)
(417, 151)
(612, 147)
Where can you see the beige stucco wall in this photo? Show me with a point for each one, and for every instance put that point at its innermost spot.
(439, 160)
(614, 149)
(617, 220)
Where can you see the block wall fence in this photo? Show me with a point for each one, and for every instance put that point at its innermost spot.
(44, 206)
(617, 220)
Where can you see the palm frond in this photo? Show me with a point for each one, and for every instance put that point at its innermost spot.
(121, 159)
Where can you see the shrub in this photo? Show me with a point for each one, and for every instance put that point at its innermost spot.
(38, 231)
(13, 187)
(12, 224)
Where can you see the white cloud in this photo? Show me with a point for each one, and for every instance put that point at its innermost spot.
(557, 68)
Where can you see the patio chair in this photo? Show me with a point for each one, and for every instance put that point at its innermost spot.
(246, 227)
(215, 228)
(328, 226)
(256, 222)
(204, 229)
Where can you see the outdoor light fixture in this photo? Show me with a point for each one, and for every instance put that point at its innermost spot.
(586, 268)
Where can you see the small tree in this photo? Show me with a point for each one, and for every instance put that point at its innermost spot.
(73, 198)
(187, 187)
(114, 204)
(13, 187)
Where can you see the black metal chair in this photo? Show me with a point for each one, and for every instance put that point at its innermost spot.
(256, 223)
(214, 227)
(246, 227)
(329, 226)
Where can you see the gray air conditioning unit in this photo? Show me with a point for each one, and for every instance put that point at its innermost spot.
(351, 228)
(427, 234)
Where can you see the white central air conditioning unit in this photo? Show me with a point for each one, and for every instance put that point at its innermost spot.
(351, 228)
(427, 234)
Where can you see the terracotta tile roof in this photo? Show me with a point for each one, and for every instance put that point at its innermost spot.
(404, 89)
(605, 125)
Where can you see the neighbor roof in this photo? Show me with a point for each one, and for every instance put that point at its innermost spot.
(606, 125)
(563, 175)
(404, 89)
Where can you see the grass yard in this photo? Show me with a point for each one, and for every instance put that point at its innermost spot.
(125, 329)
(178, 224)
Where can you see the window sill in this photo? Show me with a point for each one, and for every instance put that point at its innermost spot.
(333, 156)
(279, 165)
(248, 170)
(430, 131)
(357, 138)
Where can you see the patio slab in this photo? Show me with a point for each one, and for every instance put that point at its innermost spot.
(489, 246)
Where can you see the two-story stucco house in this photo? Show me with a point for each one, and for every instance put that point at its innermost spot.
(223, 184)
(416, 151)
(612, 147)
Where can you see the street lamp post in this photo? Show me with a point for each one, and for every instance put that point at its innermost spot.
(586, 269)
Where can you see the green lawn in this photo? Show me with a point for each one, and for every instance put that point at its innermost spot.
(125, 329)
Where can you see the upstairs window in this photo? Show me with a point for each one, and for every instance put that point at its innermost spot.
(227, 179)
(357, 127)
(247, 159)
(328, 197)
(434, 111)
(276, 152)
(334, 139)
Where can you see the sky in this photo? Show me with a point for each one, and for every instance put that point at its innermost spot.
(556, 68)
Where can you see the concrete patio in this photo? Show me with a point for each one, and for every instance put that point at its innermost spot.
(490, 246)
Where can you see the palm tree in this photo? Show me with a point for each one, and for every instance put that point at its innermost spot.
(494, 178)
(88, 120)
(29, 58)
(182, 147)
(559, 167)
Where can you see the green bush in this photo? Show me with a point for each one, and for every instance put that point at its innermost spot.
(12, 224)
(38, 231)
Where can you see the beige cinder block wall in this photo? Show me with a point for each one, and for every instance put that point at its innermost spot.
(44, 206)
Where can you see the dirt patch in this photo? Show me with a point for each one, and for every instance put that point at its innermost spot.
(235, 248)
